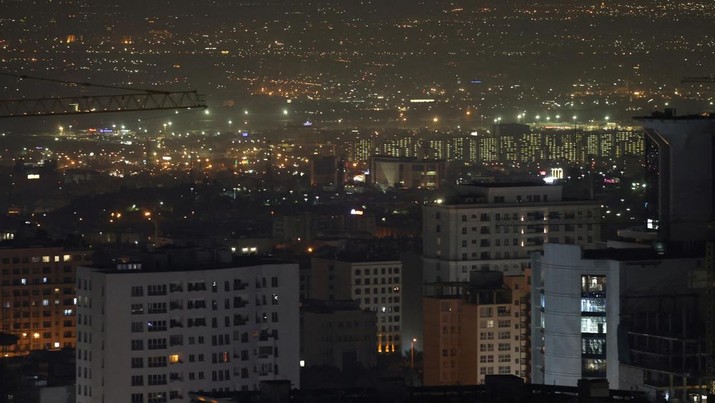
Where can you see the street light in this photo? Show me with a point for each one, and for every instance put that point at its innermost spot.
(412, 353)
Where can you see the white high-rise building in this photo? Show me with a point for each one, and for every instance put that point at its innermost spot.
(620, 314)
(148, 334)
(495, 227)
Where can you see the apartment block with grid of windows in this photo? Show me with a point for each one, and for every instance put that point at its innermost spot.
(153, 334)
(476, 328)
(496, 226)
(38, 296)
(374, 282)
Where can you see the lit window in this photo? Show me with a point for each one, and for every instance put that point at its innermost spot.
(174, 358)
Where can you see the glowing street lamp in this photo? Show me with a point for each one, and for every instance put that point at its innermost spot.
(412, 353)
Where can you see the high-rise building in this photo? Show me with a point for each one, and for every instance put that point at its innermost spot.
(155, 331)
(682, 171)
(373, 281)
(495, 227)
(628, 315)
(476, 328)
(38, 296)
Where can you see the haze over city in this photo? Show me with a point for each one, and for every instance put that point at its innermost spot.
(320, 199)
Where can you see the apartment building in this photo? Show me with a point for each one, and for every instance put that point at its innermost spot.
(496, 226)
(476, 328)
(155, 331)
(38, 296)
(373, 281)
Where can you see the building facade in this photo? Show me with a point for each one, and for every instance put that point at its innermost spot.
(628, 315)
(337, 334)
(681, 173)
(154, 335)
(476, 328)
(38, 296)
(495, 227)
(374, 283)
(406, 173)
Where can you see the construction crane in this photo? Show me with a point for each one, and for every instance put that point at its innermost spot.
(137, 100)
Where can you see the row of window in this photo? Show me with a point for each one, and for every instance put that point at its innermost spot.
(487, 347)
(383, 280)
(42, 259)
(376, 272)
(503, 335)
(162, 289)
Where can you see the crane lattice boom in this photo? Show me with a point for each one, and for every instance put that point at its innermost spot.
(101, 103)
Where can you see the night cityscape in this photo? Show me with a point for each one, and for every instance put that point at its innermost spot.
(332, 200)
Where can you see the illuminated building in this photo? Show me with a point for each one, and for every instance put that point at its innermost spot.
(38, 296)
(681, 173)
(406, 173)
(337, 334)
(158, 330)
(495, 226)
(476, 328)
(374, 282)
(627, 315)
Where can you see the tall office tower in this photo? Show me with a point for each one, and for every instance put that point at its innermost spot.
(373, 281)
(38, 296)
(153, 332)
(476, 328)
(628, 315)
(684, 172)
(495, 227)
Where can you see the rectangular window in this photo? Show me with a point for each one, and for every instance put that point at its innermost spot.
(137, 380)
(157, 307)
(137, 345)
(593, 346)
(137, 291)
(156, 325)
(155, 362)
(593, 305)
(593, 368)
(156, 344)
(156, 289)
(593, 286)
(156, 379)
(593, 324)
